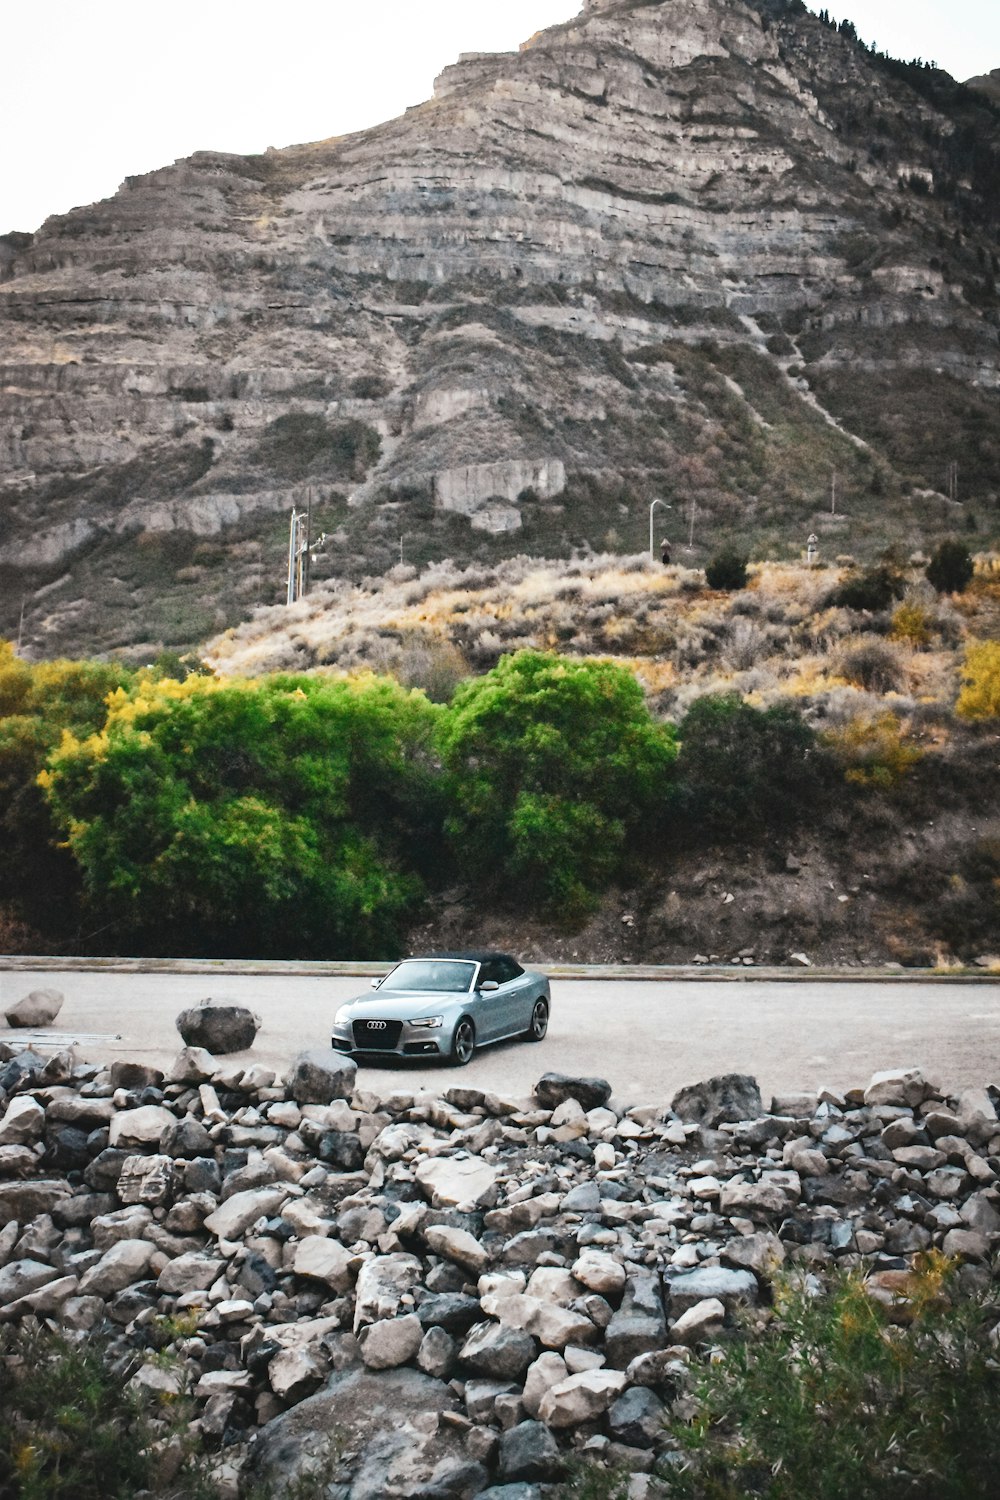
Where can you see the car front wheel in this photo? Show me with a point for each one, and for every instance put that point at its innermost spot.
(539, 1021)
(463, 1042)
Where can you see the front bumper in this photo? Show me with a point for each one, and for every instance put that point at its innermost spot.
(387, 1039)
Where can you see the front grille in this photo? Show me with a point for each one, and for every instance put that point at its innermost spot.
(377, 1036)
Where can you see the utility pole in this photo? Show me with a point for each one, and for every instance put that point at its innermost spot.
(833, 492)
(300, 549)
(20, 627)
(953, 481)
(694, 512)
(295, 545)
(307, 556)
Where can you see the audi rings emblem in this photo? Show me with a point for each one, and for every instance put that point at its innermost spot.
(376, 1025)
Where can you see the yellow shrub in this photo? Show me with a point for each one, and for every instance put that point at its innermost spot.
(911, 622)
(873, 751)
(980, 695)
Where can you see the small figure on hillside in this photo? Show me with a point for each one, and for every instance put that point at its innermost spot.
(665, 553)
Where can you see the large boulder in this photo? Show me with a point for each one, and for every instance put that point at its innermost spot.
(21, 1202)
(391, 1341)
(553, 1089)
(529, 1451)
(462, 1182)
(497, 1352)
(639, 1325)
(899, 1087)
(144, 1126)
(321, 1075)
(23, 1276)
(39, 1008)
(381, 1421)
(23, 1122)
(234, 1217)
(120, 1266)
(726, 1099)
(580, 1398)
(731, 1288)
(219, 1028)
(383, 1282)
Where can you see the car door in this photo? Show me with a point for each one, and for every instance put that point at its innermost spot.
(513, 998)
(521, 992)
(488, 1008)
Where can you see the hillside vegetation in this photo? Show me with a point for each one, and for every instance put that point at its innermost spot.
(604, 759)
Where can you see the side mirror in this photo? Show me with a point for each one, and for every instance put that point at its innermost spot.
(376, 983)
(488, 986)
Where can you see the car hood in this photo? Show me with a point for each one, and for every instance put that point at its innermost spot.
(402, 1005)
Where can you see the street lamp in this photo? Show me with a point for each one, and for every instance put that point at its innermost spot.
(652, 549)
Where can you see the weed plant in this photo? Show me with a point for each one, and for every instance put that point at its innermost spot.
(837, 1399)
(70, 1430)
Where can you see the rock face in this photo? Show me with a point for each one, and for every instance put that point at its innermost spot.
(419, 1334)
(624, 261)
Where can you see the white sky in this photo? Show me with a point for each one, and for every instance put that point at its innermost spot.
(92, 91)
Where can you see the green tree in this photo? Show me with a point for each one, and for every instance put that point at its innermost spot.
(744, 770)
(727, 570)
(554, 767)
(39, 879)
(873, 590)
(951, 568)
(289, 816)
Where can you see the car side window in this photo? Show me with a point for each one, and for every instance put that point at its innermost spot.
(489, 970)
(507, 970)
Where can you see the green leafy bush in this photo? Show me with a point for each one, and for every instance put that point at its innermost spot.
(39, 880)
(279, 817)
(833, 1400)
(742, 770)
(727, 570)
(553, 767)
(951, 568)
(873, 590)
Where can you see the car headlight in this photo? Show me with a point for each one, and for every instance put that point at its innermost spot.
(343, 1016)
(429, 1021)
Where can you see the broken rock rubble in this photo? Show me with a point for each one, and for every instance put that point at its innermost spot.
(466, 1286)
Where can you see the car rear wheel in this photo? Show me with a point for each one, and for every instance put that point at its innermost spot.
(463, 1043)
(539, 1021)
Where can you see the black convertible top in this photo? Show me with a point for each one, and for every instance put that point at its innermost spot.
(478, 955)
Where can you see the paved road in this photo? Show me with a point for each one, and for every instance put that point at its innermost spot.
(649, 1038)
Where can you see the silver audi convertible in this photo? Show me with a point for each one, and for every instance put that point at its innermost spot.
(445, 1005)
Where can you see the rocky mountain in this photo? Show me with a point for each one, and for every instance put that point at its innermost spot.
(703, 250)
(987, 83)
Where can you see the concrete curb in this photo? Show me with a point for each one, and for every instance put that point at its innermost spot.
(321, 969)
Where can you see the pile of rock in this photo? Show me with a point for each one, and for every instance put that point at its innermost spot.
(442, 1295)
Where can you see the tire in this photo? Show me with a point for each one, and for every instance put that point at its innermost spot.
(539, 1024)
(463, 1043)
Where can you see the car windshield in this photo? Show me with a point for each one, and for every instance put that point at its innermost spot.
(454, 976)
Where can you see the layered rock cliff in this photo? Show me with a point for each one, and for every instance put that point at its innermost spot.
(697, 249)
